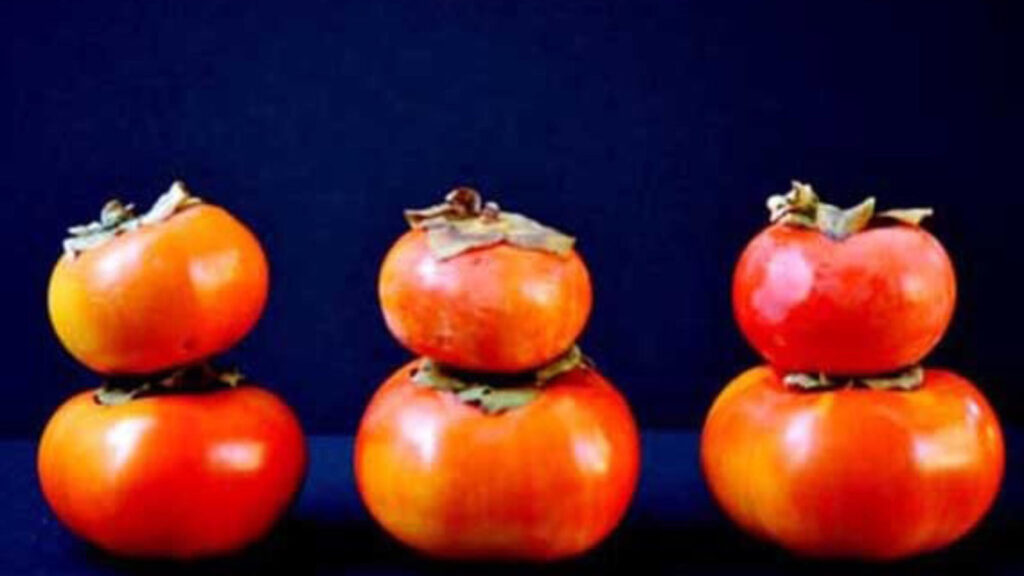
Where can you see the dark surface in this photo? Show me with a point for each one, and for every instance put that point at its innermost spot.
(653, 130)
(672, 528)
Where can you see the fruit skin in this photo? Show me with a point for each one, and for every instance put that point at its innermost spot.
(163, 295)
(875, 302)
(500, 308)
(547, 480)
(172, 476)
(853, 472)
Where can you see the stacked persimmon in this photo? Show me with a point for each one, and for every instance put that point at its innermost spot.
(170, 457)
(501, 440)
(844, 445)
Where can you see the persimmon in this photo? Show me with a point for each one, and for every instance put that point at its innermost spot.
(176, 474)
(853, 469)
(140, 294)
(843, 292)
(480, 289)
(457, 467)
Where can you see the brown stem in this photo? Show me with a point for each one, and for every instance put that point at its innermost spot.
(464, 201)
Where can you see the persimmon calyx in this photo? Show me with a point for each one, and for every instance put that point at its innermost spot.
(195, 378)
(908, 379)
(464, 222)
(117, 218)
(496, 393)
(802, 207)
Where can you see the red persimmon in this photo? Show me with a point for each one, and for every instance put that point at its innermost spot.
(853, 472)
(479, 289)
(838, 292)
(547, 479)
(178, 475)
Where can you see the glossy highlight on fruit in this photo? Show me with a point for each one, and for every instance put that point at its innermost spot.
(853, 472)
(546, 480)
(165, 293)
(177, 475)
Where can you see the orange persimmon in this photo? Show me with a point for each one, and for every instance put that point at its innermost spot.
(176, 475)
(544, 479)
(852, 471)
(483, 290)
(140, 294)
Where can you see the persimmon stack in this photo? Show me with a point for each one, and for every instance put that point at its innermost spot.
(501, 440)
(170, 457)
(844, 445)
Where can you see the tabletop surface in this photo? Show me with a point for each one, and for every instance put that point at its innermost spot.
(673, 527)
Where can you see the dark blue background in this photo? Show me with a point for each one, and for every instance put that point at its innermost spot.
(651, 130)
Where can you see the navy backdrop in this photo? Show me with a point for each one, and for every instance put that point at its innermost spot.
(651, 130)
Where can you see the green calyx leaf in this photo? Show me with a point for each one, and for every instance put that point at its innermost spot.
(464, 222)
(117, 218)
(112, 396)
(567, 362)
(907, 379)
(807, 381)
(497, 400)
(801, 207)
(495, 393)
(190, 379)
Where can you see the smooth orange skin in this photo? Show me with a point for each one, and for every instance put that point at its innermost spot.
(853, 472)
(544, 481)
(161, 296)
(497, 309)
(877, 301)
(172, 476)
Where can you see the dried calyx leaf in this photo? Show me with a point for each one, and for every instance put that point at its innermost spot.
(118, 218)
(496, 393)
(189, 379)
(802, 207)
(907, 379)
(911, 216)
(464, 222)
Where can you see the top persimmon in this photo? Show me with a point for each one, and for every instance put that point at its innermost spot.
(479, 289)
(825, 290)
(141, 294)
